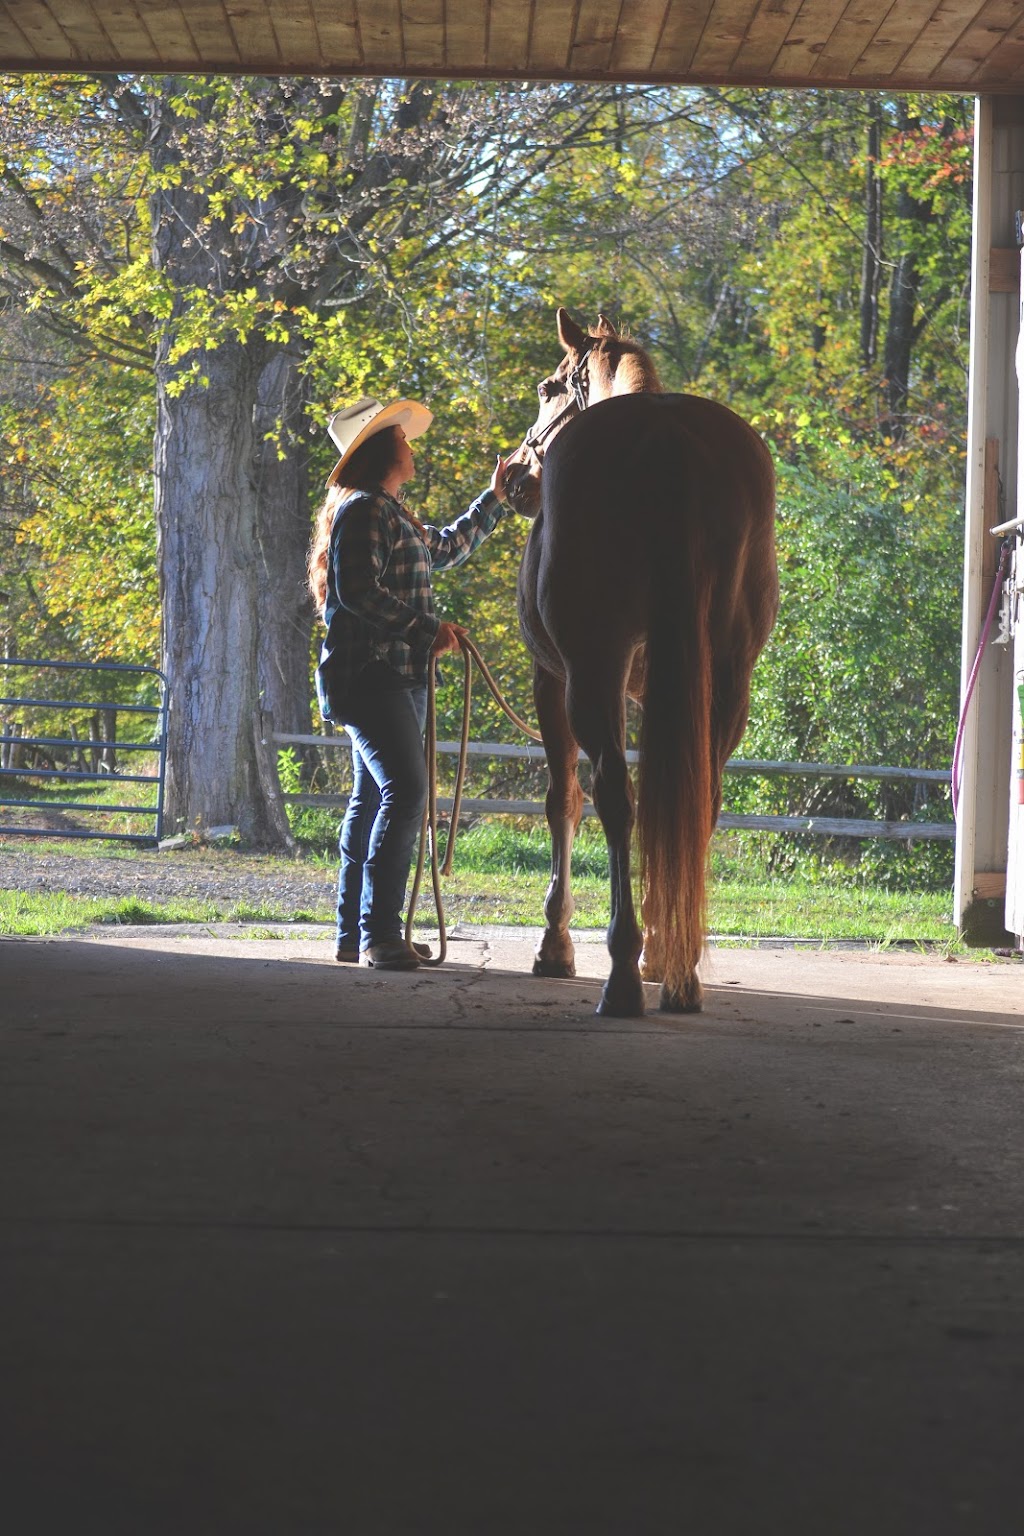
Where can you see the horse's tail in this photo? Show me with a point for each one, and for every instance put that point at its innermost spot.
(675, 810)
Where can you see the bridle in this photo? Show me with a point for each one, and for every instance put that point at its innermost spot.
(579, 384)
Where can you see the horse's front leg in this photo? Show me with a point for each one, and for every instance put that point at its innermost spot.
(555, 955)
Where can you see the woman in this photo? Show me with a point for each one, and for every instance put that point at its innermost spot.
(369, 572)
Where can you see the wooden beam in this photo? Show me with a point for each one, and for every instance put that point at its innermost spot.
(1004, 269)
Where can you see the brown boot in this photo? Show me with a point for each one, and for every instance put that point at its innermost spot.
(393, 955)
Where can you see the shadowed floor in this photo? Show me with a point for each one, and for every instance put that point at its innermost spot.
(294, 1247)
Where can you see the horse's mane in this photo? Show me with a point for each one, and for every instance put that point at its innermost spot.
(635, 372)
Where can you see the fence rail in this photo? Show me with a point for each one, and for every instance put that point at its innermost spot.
(15, 742)
(818, 826)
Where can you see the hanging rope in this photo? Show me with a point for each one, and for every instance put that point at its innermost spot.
(958, 749)
(428, 830)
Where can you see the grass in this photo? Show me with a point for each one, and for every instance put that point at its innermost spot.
(35, 913)
(500, 877)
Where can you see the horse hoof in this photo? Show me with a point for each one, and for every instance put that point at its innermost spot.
(648, 970)
(560, 970)
(688, 1000)
(622, 1001)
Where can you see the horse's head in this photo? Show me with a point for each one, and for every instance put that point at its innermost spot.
(596, 365)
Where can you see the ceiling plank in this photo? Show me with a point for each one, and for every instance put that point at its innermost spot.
(211, 33)
(595, 35)
(725, 32)
(959, 45)
(380, 30)
(423, 27)
(640, 24)
(979, 38)
(88, 37)
(938, 37)
(681, 34)
(14, 43)
(466, 33)
(13, 40)
(174, 44)
(126, 29)
(48, 40)
(767, 34)
(338, 28)
(551, 36)
(291, 26)
(851, 36)
(885, 53)
(1008, 65)
(508, 38)
(811, 29)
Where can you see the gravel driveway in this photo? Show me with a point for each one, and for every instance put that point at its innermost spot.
(221, 875)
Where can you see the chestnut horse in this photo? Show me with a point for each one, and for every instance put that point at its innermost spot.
(649, 572)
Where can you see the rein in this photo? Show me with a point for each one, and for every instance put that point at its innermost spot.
(428, 829)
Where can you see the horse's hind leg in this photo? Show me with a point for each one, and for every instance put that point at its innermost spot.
(595, 697)
(555, 955)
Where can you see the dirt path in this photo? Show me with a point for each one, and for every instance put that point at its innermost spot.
(221, 875)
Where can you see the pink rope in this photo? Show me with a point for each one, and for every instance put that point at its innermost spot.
(958, 749)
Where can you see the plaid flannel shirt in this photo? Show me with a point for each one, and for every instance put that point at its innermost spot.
(379, 603)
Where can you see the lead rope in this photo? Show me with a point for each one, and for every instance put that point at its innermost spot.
(958, 747)
(428, 829)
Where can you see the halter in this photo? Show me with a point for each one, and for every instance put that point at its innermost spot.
(578, 382)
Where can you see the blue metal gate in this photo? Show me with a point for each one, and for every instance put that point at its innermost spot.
(35, 764)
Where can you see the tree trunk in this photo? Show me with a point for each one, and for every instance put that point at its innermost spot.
(209, 591)
(283, 527)
(901, 333)
(871, 264)
(207, 514)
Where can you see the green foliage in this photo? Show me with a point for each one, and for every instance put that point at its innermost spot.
(863, 664)
(394, 243)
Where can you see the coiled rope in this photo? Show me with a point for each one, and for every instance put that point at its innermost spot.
(428, 830)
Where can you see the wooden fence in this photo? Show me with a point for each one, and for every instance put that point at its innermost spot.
(820, 826)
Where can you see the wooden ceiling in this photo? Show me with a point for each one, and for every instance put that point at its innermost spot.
(963, 45)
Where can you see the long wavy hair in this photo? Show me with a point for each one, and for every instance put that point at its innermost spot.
(365, 470)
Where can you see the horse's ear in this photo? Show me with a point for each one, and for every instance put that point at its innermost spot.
(569, 333)
(605, 326)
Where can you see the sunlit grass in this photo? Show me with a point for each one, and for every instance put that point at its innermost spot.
(500, 877)
(784, 909)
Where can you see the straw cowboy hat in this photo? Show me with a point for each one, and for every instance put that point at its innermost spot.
(353, 424)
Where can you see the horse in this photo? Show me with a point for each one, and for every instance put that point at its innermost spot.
(649, 573)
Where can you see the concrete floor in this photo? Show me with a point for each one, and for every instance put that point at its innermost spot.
(290, 1247)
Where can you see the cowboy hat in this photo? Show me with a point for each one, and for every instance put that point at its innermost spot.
(353, 424)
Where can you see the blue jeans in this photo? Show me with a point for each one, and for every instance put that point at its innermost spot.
(378, 835)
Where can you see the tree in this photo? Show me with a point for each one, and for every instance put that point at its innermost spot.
(273, 212)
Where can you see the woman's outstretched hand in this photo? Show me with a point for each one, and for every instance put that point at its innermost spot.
(447, 639)
(497, 484)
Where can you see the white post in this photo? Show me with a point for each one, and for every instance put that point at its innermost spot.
(983, 824)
